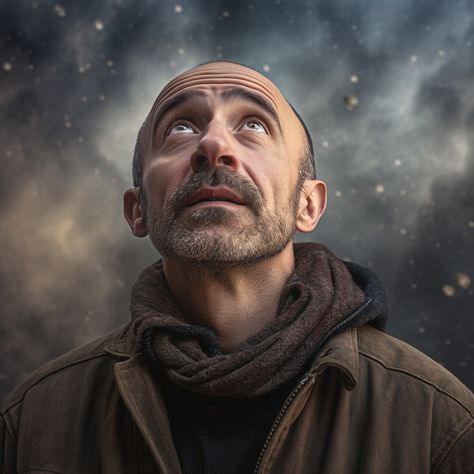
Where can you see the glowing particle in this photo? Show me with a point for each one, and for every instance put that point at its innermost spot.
(441, 52)
(397, 162)
(181, 51)
(413, 59)
(266, 67)
(448, 290)
(109, 63)
(7, 66)
(470, 224)
(350, 101)
(325, 144)
(380, 188)
(421, 329)
(60, 10)
(463, 280)
(178, 8)
(225, 13)
(82, 68)
(402, 192)
(84, 98)
(338, 193)
(99, 26)
(354, 78)
(102, 97)
(403, 231)
(67, 124)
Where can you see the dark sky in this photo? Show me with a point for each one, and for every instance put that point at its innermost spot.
(386, 89)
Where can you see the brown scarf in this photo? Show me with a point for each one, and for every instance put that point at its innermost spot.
(317, 298)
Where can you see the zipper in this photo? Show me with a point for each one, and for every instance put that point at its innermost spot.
(309, 375)
(345, 321)
(282, 411)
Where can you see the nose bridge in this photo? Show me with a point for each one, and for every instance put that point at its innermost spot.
(215, 147)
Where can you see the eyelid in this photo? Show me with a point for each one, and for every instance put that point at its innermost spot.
(255, 118)
(178, 121)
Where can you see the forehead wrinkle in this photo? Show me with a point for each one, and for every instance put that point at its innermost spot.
(219, 77)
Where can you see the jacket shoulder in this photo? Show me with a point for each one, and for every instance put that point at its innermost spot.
(85, 353)
(396, 356)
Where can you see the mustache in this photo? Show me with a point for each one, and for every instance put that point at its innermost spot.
(220, 176)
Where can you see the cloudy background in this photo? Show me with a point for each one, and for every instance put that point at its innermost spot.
(387, 89)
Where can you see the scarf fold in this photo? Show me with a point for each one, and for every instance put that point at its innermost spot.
(317, 298)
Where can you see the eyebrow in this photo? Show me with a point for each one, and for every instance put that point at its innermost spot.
(174, 102)
(227, 95)
(240, 93)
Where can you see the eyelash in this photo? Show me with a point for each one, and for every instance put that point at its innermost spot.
(252, 118)
(184, 120)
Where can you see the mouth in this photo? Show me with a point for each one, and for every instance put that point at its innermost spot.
(214, 196)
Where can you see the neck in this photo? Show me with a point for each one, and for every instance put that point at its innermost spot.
(237, 302)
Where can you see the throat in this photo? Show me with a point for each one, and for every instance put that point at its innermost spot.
(236, 303)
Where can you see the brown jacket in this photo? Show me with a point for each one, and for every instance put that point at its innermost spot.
(370, 404)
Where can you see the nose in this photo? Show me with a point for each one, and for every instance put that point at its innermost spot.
(214, 150)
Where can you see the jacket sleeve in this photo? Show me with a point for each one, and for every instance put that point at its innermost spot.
(7, 449)
(460, 457)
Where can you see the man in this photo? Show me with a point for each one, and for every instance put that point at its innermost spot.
(245, 353)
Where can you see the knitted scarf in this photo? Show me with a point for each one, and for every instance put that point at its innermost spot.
(316, 301)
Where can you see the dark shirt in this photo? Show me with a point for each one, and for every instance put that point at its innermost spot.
(217, 435)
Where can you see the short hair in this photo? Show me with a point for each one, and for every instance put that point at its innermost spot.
(307, 166)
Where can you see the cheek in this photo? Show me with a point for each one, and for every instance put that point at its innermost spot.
(161, 178)
(273, 173)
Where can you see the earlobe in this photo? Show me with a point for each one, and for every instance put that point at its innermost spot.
(132, 211)
(312, 204)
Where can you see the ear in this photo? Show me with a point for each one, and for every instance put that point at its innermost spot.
(313, 199)
(133, 212)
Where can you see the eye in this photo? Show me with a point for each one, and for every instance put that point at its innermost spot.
(254, 126)
(179, 127)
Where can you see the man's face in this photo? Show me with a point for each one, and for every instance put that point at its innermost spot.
(221, 176)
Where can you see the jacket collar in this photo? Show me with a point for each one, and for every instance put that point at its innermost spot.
(340, 352)
(124, 345)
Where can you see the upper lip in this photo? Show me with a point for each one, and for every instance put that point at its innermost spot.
(215, 193)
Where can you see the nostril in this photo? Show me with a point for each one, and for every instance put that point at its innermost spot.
(226, 160)
(200, 161)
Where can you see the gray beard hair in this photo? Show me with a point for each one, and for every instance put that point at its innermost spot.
(216, 237)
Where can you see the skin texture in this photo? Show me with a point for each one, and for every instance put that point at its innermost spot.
(226, 263)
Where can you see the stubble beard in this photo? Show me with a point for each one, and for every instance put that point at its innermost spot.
(218, 237)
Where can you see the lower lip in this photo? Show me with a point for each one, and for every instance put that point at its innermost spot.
(214, 204)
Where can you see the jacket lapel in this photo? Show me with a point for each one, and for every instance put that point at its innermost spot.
(142, 396)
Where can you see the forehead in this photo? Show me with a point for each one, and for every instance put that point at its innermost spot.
(218, 75)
